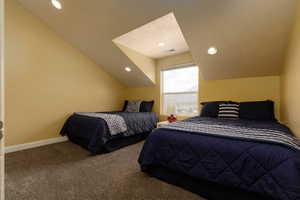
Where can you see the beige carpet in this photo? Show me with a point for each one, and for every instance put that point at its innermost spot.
(65, 171)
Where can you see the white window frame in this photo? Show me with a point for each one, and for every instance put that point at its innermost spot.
(162, 93)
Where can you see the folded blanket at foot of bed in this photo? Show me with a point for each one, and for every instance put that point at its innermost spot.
(226, 128)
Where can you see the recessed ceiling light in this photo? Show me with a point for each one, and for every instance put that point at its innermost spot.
(212, 51)
(161, 44)
(128, 69)
(56, 4)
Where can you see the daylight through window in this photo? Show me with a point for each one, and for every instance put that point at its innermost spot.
(180, 90)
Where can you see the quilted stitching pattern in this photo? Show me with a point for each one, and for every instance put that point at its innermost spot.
(267, 169)
(139, 122)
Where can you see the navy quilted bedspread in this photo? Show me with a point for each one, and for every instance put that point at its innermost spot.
(261, 167)
(96, 132)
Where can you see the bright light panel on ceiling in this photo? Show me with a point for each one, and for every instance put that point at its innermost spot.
(56, 4)
(128, 69)
(212, 51)
(161, 44)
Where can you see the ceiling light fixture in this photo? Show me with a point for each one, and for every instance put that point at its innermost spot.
(128, 69)
(161, 44)
(56, 4)
(212, 51)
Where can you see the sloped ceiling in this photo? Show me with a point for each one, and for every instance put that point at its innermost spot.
(144, 63)
(251, 35)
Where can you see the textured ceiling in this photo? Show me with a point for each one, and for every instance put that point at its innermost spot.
(145, 39)
(251, 35)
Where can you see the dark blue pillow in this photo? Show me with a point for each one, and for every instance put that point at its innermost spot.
(257, 110)
(146, 106)
(211, 109)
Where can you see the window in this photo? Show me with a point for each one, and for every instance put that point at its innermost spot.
(180, 90)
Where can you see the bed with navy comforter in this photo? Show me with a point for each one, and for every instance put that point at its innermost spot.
(105, 132)
(234, 159)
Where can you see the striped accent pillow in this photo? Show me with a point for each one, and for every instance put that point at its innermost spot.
(229, 111)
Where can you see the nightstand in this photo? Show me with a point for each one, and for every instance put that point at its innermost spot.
(159, 124)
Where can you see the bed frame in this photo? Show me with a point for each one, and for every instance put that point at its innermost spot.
(211, 191)
(113, 144)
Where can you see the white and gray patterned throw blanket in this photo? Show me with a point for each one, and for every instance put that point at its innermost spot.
(270, 135)
(115, 123)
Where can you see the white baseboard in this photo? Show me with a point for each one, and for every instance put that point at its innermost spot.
(20, 147)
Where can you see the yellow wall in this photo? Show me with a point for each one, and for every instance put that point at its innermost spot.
(243, 89)
(47, 80)
(290, 82)
(144, 63)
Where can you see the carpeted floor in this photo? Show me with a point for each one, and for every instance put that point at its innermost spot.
(65, 171)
